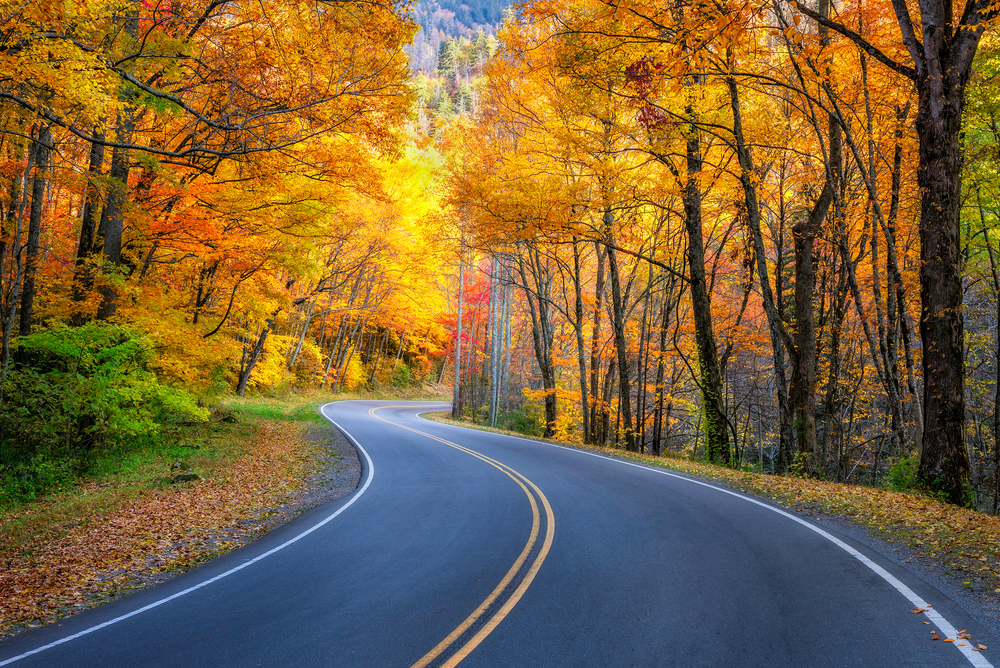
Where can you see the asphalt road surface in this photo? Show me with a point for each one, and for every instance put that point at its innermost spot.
(464, 547)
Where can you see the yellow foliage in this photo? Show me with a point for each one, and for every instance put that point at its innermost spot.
(354, 374)
(272, 371)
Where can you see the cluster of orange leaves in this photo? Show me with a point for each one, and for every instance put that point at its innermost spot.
(162, 531)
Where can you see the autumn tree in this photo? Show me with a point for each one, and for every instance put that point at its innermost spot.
(941, 60)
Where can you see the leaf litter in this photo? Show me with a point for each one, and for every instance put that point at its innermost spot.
(159, 532)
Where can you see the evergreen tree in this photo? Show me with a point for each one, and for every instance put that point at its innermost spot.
(445, 107)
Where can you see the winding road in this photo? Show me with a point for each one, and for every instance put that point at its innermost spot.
(462, 547)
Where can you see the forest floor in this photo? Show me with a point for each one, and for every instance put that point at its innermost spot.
(260, 463)
(954, 548)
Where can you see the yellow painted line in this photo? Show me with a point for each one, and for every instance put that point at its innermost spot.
(518, 593)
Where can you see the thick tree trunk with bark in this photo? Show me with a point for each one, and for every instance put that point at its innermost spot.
(113, 216)
(542, 332)
(944, 464)
(803, 386)
(91, 201)
(710, 381)
(83, 280)
(942, 62)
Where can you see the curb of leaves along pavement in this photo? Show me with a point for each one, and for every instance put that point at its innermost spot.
(333, 472)
(955, 550)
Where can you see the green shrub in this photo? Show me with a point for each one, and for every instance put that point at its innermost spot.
(402, 376)
(903, 473)
(528, 419)
(28, 478)
(88, 386)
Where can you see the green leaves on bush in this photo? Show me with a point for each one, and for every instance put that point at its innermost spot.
(77, 388)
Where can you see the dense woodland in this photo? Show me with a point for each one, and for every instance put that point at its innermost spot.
(759, 233)
(205, 197)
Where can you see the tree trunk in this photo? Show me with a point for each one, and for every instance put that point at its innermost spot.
(334, 349)
(542, 332)
(254, 355)
(580, 343)
(14, 289)
(942, 63)
(607, 392)
(710, 382)
(831, 401)
(944, 463)
(595, 346)
(771, 309)
(83, 279)
(349, 350)
(643, 362)
(112, 218)
(378, 357)
(42, 149)
(901, 318)
(456, 400)
(618, 325)
(660, 399)
(995, 275)
(302, 334)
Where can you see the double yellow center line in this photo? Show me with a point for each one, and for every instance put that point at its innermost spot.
(531, 491)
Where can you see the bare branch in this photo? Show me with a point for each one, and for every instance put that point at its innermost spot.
(862, 43)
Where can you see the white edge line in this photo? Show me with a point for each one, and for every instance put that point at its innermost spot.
(949, 631)
(154, 604)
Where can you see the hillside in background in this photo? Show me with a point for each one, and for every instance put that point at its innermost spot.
(441, 20)
(447, 55)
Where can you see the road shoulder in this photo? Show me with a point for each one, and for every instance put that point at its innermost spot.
(287, 469)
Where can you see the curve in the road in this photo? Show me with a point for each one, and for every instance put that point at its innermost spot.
(971, 653)
(505, 583)
(500, 610)
(231, 571)
(436, 530)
